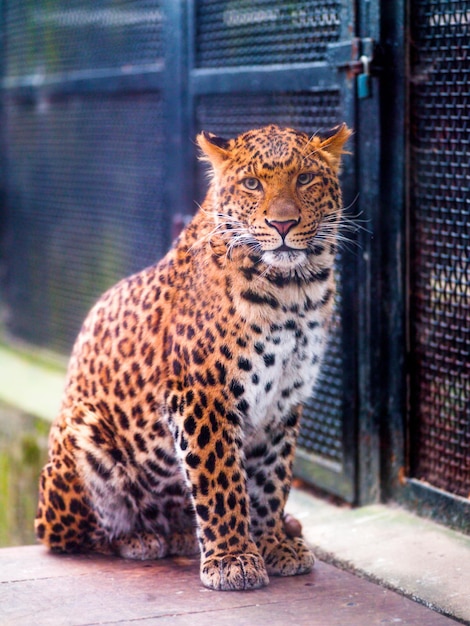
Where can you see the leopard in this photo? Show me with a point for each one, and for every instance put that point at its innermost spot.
(183, 397)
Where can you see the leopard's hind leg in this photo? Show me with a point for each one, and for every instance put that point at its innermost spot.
(65, 520)
(93, 497)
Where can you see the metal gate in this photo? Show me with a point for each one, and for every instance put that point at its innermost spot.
(439, 268)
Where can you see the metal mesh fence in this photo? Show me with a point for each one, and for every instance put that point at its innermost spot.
(322, 424)
(440, 237)
(74, 35)
(256, 32)
(84, 206)
(83, 175)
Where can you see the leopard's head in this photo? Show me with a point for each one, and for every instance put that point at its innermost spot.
(275, 192)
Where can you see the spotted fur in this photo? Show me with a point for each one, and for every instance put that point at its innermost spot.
(182, 404)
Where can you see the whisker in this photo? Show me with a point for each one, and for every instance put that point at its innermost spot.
(311, 138)
(352, 203)
(228, 227)
(311, 153)
(206, 237)
(339, 239)
(264, 273)
(354, 226)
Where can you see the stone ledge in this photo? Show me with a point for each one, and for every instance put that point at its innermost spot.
(388, 545)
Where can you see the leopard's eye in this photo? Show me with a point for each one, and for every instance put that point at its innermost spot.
(305, 178)
(251, 183)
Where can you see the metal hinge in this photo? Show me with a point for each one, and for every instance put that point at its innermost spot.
(356, 57)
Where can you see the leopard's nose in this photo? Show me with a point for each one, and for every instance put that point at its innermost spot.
(282, 227)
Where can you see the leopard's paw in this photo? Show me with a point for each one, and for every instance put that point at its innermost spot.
(183, 544)
(234, 572)
(141, 546)
(288, 557)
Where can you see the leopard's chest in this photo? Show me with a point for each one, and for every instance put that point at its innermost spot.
(281, 369)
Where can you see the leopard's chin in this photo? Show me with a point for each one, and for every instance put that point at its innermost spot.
(285, 258)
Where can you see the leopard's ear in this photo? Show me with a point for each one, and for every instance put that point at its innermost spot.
(214, 149)
(333, 144)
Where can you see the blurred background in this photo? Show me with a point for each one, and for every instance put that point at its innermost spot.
(100, 103)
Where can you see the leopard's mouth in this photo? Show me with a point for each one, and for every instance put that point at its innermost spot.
(284, 248)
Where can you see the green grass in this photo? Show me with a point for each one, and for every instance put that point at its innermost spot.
(23, 452)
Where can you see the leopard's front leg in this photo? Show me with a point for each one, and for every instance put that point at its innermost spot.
(209, 442)
(269, 469)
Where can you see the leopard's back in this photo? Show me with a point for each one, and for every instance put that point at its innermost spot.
(181, 409)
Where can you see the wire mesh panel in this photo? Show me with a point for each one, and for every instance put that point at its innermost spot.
(322, 426)
(84, 166)
(440, 233)
(84, 205)
(75, 35)
(255, 32)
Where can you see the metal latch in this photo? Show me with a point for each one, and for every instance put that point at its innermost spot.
(363, 79)
(354, 57)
